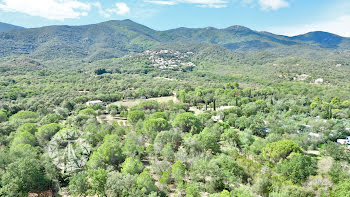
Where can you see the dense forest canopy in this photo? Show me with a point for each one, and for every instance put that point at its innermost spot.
(118, 109)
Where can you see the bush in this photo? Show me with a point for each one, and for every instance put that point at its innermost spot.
(342, 189)
(335, 150)
(3, 116)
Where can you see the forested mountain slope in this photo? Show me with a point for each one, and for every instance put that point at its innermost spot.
(118, 38)
(4, 27)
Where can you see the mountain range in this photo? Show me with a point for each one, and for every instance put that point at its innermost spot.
(4, 27)
(118, 38)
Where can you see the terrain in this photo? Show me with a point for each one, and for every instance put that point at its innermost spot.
(183, 112)
(4, 27)
(118, 38)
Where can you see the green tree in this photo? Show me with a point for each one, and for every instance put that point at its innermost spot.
(24, 138)
(192, 190)
(342, 189)
(335, 150)
(20, 151)
(78, 184)
(132, 165)
(178, 172)
(145, 182)
(120, 185)
(187, 122)
(146, 105)
(224, 193)
(229, 172)
(3, 116)
(30, 127)
(97, 179)
(24, 117)
(298, 168)
(293, 191)
(88, 112)
(46, 132)
(164, 137)
(168, 152)
(152, 126)
(250, 109)
(242, 191)
(51, 118)
(276, 151)
(231, 137)
(157, 115)
(157, 125)
(131, 148)
(205, 119)
(135, 116)
(23, 176)
(208, 140)
(339, 172)
(108, 154)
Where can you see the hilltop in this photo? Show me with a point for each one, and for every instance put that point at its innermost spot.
(115, 38)
(4, 27)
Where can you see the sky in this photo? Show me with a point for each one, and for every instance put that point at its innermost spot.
(286, 17)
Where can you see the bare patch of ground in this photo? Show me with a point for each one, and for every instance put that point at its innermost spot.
(130, 102)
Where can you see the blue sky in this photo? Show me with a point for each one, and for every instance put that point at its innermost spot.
(288, 17)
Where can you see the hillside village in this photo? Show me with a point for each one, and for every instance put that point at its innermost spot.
(170, 60)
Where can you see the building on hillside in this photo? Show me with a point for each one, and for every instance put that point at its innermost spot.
(319, 81)
(344, 141)
(96, 102)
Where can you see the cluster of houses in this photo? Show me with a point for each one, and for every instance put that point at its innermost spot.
(169, 60)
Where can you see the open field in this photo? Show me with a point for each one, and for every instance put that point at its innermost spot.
(130, 103)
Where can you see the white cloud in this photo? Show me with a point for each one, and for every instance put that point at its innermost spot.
(200, 3)
(61, 9)
(50, 9)
(340, 26)
(264, 4)
(273, 4)
(163, 2)
(122, 9)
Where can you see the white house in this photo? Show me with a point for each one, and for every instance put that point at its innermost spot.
(95, 102)
(319, 81)
(344, 141)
